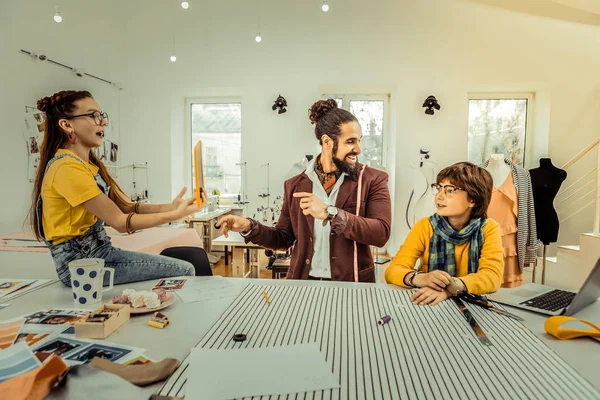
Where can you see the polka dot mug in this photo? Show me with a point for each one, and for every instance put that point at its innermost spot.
(87, 275)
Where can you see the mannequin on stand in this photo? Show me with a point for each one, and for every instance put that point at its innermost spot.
(498, 169)
(510, 202)
(546, 181)
(504, 209)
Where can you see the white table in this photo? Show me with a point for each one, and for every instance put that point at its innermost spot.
(253, 260)
(185, 332)
(203, 223)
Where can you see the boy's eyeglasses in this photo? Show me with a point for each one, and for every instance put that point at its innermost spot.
(449, 190)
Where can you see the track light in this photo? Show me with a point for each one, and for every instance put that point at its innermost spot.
(185, 5)
(325, 6)
(57, 16)
(173, 58)
(258, 38)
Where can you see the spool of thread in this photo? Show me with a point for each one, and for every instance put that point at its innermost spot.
(384, 320)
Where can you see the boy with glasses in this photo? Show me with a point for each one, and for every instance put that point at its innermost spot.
(459, 247)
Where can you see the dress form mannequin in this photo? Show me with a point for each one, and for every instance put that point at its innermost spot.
(546, 181)
(498, 169)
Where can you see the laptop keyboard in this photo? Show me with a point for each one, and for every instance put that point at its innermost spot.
(551, 301)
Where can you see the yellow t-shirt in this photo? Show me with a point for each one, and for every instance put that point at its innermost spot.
(488, 277)
(68, 184)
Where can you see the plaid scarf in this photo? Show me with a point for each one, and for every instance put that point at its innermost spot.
(327, 179)
(444, 238)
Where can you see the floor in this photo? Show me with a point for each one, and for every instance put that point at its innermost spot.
(225, 270)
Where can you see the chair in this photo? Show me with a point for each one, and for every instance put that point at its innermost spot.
(194, 255)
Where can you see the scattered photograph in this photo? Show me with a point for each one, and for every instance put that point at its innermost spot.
(97, 350)
(31, 338)
(56, 317)
(61, 346)
(8, 286)
(8, 333)
(141, 360)
(170, 284)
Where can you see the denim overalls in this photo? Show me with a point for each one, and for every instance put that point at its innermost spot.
(84, 246)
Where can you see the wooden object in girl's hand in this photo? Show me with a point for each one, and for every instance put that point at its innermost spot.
(103, 321)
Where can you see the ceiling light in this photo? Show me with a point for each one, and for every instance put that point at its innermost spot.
(57, 17)
(325, 7)
(258, 38)
(185, 5)
(173, 58)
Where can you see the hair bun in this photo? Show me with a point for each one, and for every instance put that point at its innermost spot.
(320, 108)
(43, 104)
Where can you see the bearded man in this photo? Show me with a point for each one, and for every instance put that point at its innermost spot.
(333, 211)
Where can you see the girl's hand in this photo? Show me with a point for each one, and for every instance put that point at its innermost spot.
(178, 200)
(186, 208)
(427, 295)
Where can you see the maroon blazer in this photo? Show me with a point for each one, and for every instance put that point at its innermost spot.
(371, 227)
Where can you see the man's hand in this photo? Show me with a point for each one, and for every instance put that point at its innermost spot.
(233, 223)
(437, 280)
(427, 295)
(312, 205)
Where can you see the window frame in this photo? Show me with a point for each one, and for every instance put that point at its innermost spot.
(189, 102)
(529, 129)
(347, 98)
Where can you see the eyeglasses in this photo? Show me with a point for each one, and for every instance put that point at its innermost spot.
(449, 190)
(98, 116)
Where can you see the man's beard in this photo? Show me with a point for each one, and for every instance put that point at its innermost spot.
(343, 166)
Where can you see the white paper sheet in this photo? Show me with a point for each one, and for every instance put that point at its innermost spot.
(211, 288)
(256, 372)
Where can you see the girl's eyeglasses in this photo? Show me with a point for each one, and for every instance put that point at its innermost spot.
(99, 117)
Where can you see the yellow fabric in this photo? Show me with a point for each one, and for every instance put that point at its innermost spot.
(488, 277)
(552, 326)
(66, 186)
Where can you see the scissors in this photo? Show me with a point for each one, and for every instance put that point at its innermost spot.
(483, 302)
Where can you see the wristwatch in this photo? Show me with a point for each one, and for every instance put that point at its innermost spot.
(332, 212)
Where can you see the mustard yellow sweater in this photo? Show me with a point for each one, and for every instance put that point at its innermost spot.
(488, 277)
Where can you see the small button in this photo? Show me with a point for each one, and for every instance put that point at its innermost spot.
(307, 261)
(310, 240)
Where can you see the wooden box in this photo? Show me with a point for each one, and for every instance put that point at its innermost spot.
(101, 330)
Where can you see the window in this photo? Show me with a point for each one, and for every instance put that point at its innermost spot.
(371, 112)
(219, 127)
(498, 125)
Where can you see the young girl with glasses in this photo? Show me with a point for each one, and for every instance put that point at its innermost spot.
(459, 247)
(74, 193)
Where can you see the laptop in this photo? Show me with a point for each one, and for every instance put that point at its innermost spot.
(550, 301)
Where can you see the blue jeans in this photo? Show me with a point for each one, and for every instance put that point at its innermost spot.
(129, 266)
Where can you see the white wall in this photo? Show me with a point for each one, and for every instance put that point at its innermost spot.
(87, 38)
(440, 47)
(447, 48)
